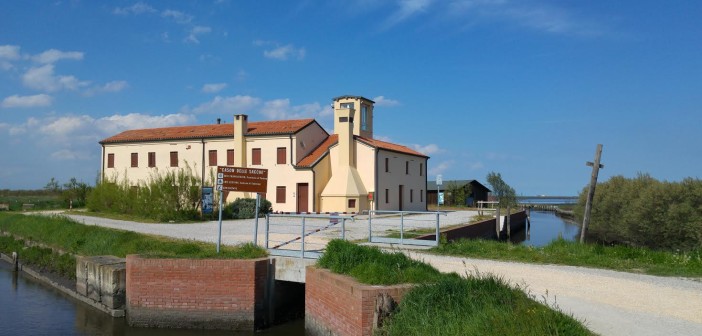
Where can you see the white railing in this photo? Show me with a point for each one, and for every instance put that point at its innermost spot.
(302, 236)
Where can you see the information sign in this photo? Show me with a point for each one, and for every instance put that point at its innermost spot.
(242, 179)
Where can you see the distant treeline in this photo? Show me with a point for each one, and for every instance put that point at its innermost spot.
(645, 212)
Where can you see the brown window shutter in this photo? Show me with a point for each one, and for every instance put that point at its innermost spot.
(256, 156)
(174, 159)
(110, 160)
(230, 157)
(213, 157)
(152, 159)
(135, 160)
(280, 194)
(281, 155)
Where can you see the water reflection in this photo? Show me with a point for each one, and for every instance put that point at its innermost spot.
(545, 227)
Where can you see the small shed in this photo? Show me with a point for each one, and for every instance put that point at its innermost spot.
(475, 191)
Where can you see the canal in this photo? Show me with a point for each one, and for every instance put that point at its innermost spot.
(545, 227)
(28, 307)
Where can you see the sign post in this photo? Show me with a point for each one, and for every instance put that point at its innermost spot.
(243, 180)
(439, 196)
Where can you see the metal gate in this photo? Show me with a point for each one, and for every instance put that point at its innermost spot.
(302, 236)
(400, 227)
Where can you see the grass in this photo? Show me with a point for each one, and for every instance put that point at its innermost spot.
(41, 202)
(446, 304)
(126, 217)
(44, 258)
(67, 235)
(562, 252)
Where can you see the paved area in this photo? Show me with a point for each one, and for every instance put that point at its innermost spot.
(610, 303)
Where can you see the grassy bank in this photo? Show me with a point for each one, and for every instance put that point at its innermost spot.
(446, 304)
(619, 258)
(67, 235)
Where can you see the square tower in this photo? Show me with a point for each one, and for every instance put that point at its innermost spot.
(361, 115)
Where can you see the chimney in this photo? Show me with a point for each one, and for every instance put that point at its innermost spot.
(344, 130)
(241, 127)
(219, 121)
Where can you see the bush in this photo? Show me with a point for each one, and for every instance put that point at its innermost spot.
(645, 212)
(243, 208)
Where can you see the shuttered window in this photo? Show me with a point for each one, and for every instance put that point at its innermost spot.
(280, 194)
(110, 160)
(387, 196)
(152, 159)
(174, 159)
(411, 195)
(387, 165)
(256, 156)
(421, 169)
(213, 157)
(281, 155)
(230, 157)
(406, 167)
(135, 160)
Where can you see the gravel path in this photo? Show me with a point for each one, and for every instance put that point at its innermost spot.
(610, 303)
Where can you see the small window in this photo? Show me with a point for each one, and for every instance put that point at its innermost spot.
(364, 117)
(387, 196)
(352, 203)
(406, 167)
(281, 155)
(174, 159)
(343, 119)
(346, 105)
(387, 165)
(152, 159)
(421, 169)
(256, 156)
(421, 195)
(213, 157)
(230, 157)
(135, 160)
(280, 194)
(110, 160)
(411, 195)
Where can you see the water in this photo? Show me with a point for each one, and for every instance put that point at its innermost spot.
(28, 307)
(545, 227)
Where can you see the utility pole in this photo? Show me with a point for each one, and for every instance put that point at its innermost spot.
(591, 191)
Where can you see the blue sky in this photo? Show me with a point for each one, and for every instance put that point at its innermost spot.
(526, 88)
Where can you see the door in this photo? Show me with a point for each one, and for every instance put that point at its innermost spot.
(302, 197)
(400, 197)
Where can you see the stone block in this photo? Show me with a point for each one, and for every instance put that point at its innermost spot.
(102, 279)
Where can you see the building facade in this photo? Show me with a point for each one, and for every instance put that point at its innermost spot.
(309, 170)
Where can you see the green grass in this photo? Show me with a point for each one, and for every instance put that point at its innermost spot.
(446, 304)
(45, 258)
(41, 202)
(126, 217)
(67, 235)
(562, 252)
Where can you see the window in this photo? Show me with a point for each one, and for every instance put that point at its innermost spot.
(364, 117)
(421, 169)
(406, 167)
(135, 160)
(421, 195)
(411, 195)
(346, 105)
(174, 159)
(387, 165)
(213, 157)
(110, 160)
(281, 155)
(352, 203)
(256, 156)
(152, 159)
(280, 194)
(230, 157)
(387, 196)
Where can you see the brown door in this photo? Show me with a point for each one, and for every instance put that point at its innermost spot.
(302, 197)
(400, 198)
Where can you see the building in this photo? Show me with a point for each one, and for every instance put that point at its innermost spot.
(475, 191)
(309, 170)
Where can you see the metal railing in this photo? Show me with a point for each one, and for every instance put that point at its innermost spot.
(408, 223)
(302, 236)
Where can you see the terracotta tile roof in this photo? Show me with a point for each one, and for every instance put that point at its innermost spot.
(317, 153)
(208, 131)
(390, 146)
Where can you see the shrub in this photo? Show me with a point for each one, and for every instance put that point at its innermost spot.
(243, 208)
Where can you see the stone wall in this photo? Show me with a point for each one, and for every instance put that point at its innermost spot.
(102, 279)
(197, 293)
(483, 229)
(338, 305)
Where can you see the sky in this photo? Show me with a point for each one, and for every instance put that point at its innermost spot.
(526, 88)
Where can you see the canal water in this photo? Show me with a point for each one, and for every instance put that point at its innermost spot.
(28, 307)
(545, 227)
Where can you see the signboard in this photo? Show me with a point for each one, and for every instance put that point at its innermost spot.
(441, 198)
(207, 198)
(242, 179)
(439, 180)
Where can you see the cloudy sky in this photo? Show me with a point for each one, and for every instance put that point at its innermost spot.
(526, 88)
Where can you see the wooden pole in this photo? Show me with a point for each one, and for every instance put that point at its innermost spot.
(497, 221)
(591, 191)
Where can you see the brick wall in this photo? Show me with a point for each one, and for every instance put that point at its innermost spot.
(338, 305)
(197, 293)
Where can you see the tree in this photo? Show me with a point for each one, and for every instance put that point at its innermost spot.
(53, 186)
(504, 193)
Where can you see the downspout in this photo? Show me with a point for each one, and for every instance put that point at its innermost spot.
(102, 170)
(314, 191)
(202, 178)
(426, 186)
(291, 150)
(375, 198)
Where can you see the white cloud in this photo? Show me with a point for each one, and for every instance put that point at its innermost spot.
(120, 122)
(53, 55)
(280, 109)
(385, 102)
(39, 100)
(227, 105)
(137, 8)
(65, 126)
(285, 52)
(113, 86)
(213, 87)
(67, 154)
(195, 32)
(440, 168)
(43, 78)
(9, 52)
(177, 16)
(407, 9)
(427, 149)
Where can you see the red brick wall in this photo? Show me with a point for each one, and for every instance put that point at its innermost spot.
(196, 293)
(338, 305)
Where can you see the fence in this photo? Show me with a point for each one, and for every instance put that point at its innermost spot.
(303, 236)
(400, 227)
